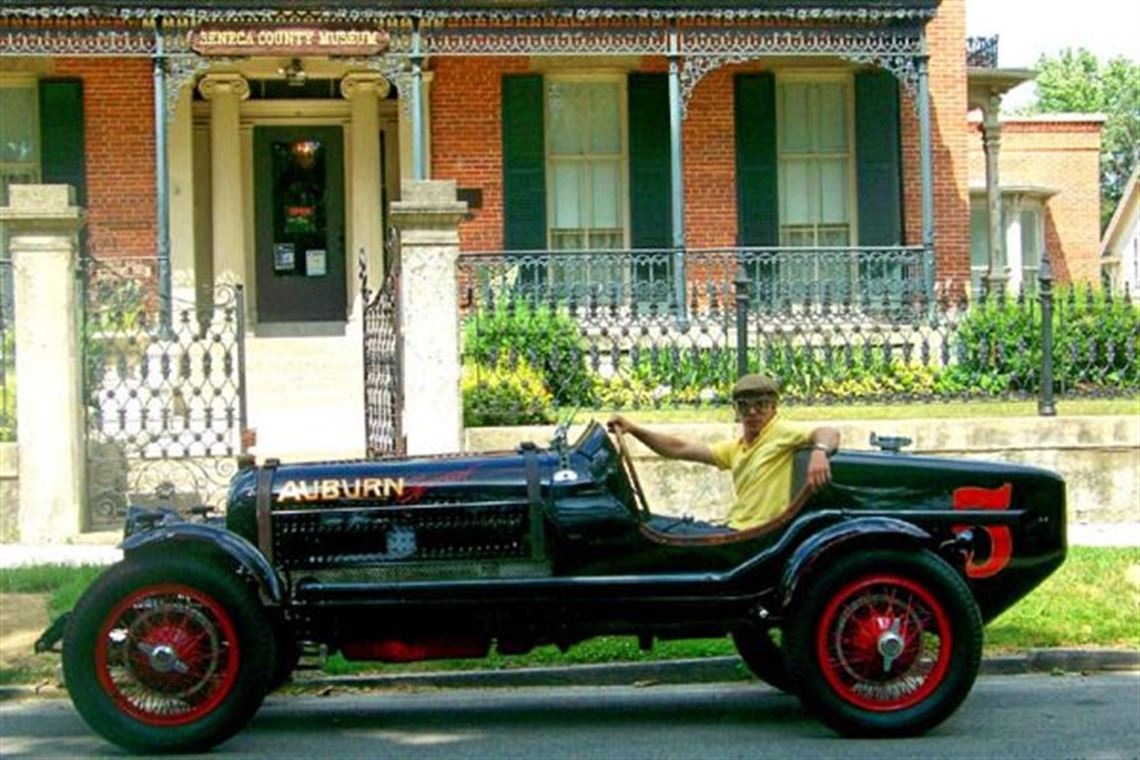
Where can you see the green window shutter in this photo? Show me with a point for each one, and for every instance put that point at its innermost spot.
(650, 183)
(524, 164)
(877, 151)
(650, 178)
(61, 135)
(757, 199)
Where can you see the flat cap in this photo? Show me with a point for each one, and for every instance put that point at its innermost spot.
(756, 385)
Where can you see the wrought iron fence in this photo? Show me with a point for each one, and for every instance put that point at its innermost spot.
(533, 346)
(383, 392)
(7, 352)
(165, 400)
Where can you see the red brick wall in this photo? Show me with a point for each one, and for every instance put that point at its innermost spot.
(466, 146)
(1062, 155)
(466, 138)
(946, 36)
(118, 104)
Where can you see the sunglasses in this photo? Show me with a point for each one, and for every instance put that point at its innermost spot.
(757, 403)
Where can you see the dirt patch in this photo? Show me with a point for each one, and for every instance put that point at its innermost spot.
(23, 617)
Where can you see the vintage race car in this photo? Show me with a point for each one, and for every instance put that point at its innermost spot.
(878, 584)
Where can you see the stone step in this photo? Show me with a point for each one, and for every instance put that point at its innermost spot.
(306, 397)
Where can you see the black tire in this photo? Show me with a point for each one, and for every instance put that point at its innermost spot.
(288, 656)
(863, 678)
(168, 655)
(763, 656)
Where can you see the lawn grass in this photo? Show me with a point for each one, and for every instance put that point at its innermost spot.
(979, 408)
(1093, 600)
(65, 583)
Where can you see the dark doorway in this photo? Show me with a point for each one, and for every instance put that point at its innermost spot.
(299, 206)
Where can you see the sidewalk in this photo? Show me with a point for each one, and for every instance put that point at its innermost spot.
(101, 548)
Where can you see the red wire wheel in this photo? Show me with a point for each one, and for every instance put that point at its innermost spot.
(168, 652)
(884, 643)
(167, 655)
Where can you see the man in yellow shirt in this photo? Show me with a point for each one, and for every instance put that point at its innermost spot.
(760, 460)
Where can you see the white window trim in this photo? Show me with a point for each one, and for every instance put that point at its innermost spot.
(618, 78)
(846, 77)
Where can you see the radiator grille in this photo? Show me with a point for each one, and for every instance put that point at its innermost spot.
(364, 537)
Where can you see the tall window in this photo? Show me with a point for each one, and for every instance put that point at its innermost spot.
(19, 137)
(979, 243)
(586, 159)
(814, 163)
(1031, 247)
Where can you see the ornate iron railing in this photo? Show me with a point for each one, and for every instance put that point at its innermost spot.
(982, 52)
(165, 401)
(7, 353)
(614, 336)
(657, 282)
(383, 390)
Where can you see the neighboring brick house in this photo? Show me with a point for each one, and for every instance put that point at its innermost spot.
(1050, 187)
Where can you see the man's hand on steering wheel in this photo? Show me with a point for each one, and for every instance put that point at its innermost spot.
(618, 424)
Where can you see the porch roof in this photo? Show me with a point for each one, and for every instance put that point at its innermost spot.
(833, 9)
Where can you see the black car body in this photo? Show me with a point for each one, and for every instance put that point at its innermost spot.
(879, 583)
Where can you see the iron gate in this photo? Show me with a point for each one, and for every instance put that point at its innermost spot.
(165, 397)
(383, 391)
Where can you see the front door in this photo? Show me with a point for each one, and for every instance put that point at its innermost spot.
(299, 206)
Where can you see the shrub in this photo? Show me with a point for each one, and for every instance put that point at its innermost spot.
(544, 338)
(504, 394)
(998, 344)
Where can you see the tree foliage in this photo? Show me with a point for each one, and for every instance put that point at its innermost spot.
(1075, 81)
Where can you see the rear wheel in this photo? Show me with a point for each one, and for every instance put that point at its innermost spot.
(763, 656)
(885, 643)
(168, 655)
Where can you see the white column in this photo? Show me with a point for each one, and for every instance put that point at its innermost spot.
(43, 223)
(181, 161)
(996, 273)
(427, 217)
(363, 90)
(225, 93)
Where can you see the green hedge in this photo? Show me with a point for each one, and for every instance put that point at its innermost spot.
(994, 348)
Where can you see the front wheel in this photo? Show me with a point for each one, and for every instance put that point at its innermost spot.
(168, 655)
(885, 643)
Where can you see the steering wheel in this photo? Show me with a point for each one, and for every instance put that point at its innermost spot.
(640, 503)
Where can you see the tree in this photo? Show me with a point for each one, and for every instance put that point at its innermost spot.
(1074, 81)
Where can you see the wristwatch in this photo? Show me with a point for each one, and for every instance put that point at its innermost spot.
(823, 447)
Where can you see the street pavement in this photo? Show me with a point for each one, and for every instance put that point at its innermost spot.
(1037, 716)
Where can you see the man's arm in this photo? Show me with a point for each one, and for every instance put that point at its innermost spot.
(824, 441)
(662, 444)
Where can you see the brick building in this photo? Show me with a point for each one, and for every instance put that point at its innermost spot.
(825, 145)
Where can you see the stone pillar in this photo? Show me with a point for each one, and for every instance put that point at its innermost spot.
(225, 92)
(43, 224)
(363, 90)
(427, 219)
(991, 143)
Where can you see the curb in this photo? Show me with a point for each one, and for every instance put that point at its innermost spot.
(698, 670)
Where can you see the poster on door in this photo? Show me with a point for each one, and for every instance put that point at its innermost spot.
(284, 257)
(316, 262)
